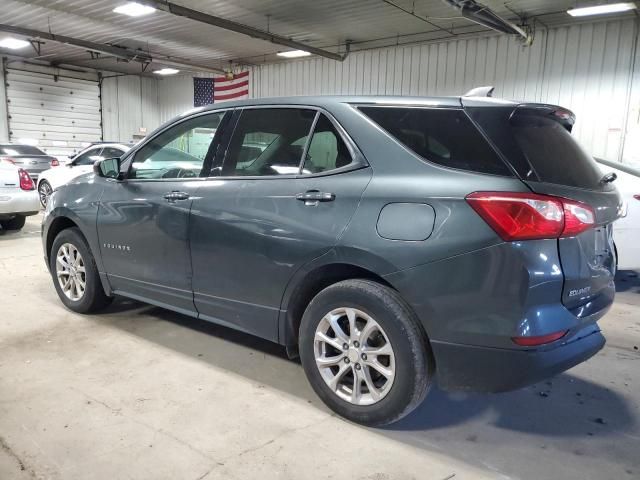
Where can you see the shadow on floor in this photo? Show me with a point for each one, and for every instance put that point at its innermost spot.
(627, 281)
(565, 406)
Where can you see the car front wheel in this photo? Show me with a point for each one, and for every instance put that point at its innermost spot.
(365, 353)
(75, 274)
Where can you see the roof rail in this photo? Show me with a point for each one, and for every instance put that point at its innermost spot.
(480, 92)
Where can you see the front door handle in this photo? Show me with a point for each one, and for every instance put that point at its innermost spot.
(313, 197)
(175, 196)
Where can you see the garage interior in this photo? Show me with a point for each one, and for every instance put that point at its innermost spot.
(139, 392)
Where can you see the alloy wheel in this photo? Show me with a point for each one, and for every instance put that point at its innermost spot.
(44, 191)
(354, 356)
(70, 271)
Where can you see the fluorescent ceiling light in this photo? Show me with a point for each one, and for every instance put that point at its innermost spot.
(602, 9)
(13, 43)
(134, 9)
(166, 71)
(294, 54)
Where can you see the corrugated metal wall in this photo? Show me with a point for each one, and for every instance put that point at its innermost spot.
(586, 68)
(130, 103)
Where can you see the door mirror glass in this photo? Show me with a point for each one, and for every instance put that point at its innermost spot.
(107, 168)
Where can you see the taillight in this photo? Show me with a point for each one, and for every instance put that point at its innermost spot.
(528, 216)
(540, 340)
(7, 159)
(637, 197)
(55, 162)
(25, 180)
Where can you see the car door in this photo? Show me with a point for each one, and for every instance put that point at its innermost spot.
(143, 220)
(262, 219)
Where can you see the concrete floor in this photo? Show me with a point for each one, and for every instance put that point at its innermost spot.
(142, 393)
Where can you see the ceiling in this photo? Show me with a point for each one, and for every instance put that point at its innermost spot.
(321, 23)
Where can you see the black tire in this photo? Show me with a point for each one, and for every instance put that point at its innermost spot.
(16, 223)
(414, 360)
(43, 187)
(94, 297)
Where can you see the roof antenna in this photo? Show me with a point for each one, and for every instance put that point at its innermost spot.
(480, 92)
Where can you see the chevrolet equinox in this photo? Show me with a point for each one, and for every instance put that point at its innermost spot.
(391, 242)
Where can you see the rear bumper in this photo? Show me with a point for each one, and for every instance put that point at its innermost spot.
(486, 369)
(15, 201)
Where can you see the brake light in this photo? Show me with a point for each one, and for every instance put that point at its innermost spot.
(537, 341)
(637, 197)
(25, 180)
(528, 216)
(55, 162)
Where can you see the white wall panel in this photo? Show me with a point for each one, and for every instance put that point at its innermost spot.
(129, 104)
(585, 67)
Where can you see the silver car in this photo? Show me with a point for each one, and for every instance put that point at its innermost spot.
(18, 196)
(32, 159)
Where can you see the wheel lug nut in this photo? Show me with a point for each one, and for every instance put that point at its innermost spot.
(357, 366)
(364, 356)
(346, 360)
(345, 346)
(356, 344)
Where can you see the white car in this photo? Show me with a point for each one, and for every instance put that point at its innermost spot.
(626, 230)
(82, 163)
(18, 196)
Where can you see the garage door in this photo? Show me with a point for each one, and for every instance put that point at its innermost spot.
(59, 114)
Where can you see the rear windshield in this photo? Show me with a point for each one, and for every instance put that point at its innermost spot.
(20, 150)
(443, 136)
(539, 147)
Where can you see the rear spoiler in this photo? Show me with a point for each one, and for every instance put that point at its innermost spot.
(561, 115)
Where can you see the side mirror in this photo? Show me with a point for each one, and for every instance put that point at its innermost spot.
(108, 168)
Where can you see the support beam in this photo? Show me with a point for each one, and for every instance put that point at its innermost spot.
(225, 24)
(123, 53)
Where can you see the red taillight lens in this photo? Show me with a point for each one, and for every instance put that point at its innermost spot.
(529, 216)
(55, 162)
(541, 340)
(578, 217)
(519, 216)
(25, 180)
(637, 197)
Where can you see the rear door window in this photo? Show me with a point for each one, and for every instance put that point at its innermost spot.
(268, 142)
(443, 136)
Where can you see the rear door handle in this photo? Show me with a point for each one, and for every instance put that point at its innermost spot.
(175, 196)
(313, 197)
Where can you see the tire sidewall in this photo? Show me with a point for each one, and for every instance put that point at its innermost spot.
(92, 279)
(412, 372)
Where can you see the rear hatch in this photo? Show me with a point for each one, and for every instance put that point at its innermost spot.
(536, 141)
(9, 179)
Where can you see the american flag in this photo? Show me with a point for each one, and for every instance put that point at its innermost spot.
(220, 89)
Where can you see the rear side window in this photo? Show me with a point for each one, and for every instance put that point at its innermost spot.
(20, 150)
(327, 151)
(443, 136)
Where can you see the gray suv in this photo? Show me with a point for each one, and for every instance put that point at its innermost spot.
(390, 241)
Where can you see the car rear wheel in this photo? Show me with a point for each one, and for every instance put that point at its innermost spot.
(365, 353)
(44, 190)
(16, 223)
(75, 274)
